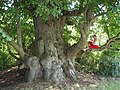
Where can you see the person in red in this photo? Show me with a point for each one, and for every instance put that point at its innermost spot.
(93, 44)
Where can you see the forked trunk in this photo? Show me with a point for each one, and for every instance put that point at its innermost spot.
(54, 60)
(51, 49)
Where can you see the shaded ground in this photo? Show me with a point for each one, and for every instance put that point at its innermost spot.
(13, 79)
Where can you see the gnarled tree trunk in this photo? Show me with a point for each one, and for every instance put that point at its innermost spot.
(51, 48)
(54, 58)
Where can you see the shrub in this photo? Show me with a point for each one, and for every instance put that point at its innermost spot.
(6, 61)
(109, 64)
(106, 63)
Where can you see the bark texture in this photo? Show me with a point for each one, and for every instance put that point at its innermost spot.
(51, 50)
(56, 60)
(34, 69)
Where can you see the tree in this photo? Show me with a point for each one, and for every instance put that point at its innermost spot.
(48, 55)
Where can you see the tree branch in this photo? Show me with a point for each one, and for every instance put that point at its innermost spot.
(72, 13)
(18, 49)
(19, 34)
(108, 43)
(111, 40)
(86, 9)
(73, 50)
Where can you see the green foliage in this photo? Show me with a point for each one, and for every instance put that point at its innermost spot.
(4, 35)
(71, 34)
(111, 25)
(6, 61)
(89, 62)
(28, 29)
(53, 8)
(48, 7)
(109, 64)
(105, 63)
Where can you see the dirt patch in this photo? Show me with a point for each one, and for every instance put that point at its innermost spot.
(13, 79)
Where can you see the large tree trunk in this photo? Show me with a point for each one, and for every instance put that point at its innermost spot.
(51, 48)
(55, 59)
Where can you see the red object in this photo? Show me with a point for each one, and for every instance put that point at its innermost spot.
(91, 46)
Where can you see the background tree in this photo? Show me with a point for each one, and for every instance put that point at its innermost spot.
(39, 28)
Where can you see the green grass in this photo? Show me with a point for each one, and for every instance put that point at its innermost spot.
(109, 85)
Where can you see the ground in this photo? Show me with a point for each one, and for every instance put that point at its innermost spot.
(13, 79)
(10, 78)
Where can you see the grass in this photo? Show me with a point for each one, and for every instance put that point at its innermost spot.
(109, 85)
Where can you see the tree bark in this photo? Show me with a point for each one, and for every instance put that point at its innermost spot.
(51, 59)
(55, 59)
(18, 49)
(51, 49)
(33, 68)
(76, 48)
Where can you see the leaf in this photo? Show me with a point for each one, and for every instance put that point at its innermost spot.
(3, 34)
(114, 9)
(1, 30)
(8, 38)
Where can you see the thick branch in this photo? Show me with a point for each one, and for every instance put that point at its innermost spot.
(19, 34)
(111, 40)
(18, 49)
(108, 43)
(84, 34)
(86, 9)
